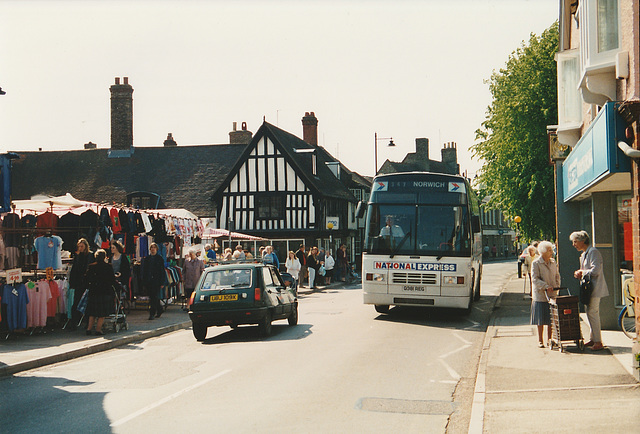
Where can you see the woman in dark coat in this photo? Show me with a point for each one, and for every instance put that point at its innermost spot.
(77, 282)
(153, 277)
(101, 281)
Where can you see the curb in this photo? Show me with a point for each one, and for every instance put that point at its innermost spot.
(476, 421)
(89, 349)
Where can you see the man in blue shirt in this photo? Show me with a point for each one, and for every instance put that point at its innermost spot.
(211, 254)
(270, 257)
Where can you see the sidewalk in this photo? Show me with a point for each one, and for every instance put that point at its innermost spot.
(523, 388)
(23, 352)
(28, 352)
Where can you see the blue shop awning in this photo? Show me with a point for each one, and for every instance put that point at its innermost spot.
(596, 163)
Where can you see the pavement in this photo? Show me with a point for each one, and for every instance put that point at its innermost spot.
(519, 387)
(523, 388)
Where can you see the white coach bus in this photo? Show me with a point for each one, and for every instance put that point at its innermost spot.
(423, 242)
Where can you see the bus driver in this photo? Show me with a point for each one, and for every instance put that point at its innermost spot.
(392, 233)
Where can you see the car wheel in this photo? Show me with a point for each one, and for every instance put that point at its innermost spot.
(264, 326)
(382, 308)
(293, 318)
(200, 332)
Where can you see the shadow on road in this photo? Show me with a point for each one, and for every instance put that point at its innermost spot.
(279, 332)
(55, 410)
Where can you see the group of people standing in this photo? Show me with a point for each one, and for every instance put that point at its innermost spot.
(545, 277)
(318, 265)
(105, 276)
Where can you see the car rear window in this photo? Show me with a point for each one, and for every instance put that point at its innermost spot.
(227, 278)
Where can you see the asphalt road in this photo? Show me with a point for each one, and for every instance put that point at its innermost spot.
(343, 368)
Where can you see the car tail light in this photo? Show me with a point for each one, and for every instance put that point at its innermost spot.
(193, 295)
(258, 294)
(566, 311)
(460, 280)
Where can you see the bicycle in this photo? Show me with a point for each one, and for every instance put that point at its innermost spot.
(627, 317)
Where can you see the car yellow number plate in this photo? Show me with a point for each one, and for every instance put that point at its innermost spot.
(223, 297)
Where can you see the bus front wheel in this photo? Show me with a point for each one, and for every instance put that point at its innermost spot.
(382, 308)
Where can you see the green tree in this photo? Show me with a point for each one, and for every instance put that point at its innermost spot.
(512, 141)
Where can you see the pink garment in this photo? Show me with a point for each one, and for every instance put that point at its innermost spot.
(39, 294)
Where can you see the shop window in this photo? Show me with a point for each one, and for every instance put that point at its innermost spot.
(625, 232)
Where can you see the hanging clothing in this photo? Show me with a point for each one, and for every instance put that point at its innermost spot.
(15, 298)
(45, 221)
(39, 296)
(116, 225)
(49, 252)
(68, 225)
(88, 227)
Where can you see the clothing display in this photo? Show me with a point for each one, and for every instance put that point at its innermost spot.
(49, 250)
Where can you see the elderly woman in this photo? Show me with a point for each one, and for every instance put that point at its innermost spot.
(545, 277)
(591, 265)
(101, 280)
(193, 268)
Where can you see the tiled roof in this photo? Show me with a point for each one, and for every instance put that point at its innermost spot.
(183, 176)
(323, 184)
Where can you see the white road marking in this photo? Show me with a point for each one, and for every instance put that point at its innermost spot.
(449, 369)
(464, 347)
(464, 341)
(168, 398)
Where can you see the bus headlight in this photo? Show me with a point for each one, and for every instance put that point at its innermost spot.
(453, 280)
(375, 277)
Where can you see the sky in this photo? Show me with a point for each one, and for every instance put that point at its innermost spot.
(401, 69)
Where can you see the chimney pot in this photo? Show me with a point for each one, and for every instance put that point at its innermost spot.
(244, 126)
(117, 80)
(235, 124)
(170, 141)
(126, 80)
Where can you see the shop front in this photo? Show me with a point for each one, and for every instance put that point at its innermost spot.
(593, 193)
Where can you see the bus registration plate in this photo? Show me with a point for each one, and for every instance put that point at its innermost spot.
(413, 288)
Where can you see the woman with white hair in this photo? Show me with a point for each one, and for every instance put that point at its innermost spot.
(591, 265)
(545, 277)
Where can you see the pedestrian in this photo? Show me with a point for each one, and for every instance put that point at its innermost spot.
(313, 265)
(153, 277)
(193, 268)
(121, 266)
(342, 263)
(77, 281)
(270, 257)
(486, 251)
(101, 281)
(228, 254)
(293, 265)
(209, 252)
(494, 251)
(546, 277)
(302, 258)
(320, 279)
(532, 254)
(329, 264)
(239, 253)
(591, 265)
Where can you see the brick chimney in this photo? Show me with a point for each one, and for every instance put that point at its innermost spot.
(242, 137)
(310, 128)
(422, 148)
(450, 157)
(170, 141)
(121, 115)
(90, 145)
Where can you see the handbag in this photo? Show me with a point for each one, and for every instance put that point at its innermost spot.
(586, 289)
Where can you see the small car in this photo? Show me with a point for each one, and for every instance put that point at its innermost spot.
(241, 293)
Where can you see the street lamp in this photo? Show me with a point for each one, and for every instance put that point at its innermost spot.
(375, 146)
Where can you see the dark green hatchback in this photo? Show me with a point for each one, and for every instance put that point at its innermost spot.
(241, 293)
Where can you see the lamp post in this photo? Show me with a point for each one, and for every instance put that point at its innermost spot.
(375, 147)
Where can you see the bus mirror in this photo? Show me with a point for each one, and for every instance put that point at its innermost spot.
(475, 224)
(361, 209)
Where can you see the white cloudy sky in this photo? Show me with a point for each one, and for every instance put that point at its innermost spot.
(403, 69)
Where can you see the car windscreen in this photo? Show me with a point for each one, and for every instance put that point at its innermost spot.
(227, 279)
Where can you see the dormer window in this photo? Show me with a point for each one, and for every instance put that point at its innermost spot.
(143, 200)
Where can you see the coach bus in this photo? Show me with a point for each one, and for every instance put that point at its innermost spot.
(423, 242)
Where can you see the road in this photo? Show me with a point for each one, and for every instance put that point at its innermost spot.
(343, 368)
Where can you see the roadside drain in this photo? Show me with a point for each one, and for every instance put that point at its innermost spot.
(513, 332)
(388, 405)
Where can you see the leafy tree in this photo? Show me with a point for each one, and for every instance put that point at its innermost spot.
(512, 141)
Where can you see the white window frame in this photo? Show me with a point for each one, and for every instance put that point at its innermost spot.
(591, 58)
(569, 99)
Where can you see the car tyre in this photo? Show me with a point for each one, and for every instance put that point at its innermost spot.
(382, 308)
(199, 332)
(264, 326)
(293, 318)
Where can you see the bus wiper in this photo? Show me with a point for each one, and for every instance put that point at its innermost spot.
(394, 251)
